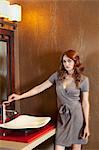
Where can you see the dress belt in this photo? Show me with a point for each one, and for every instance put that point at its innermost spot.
(64, 109)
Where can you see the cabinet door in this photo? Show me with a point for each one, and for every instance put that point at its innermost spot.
(6, 63)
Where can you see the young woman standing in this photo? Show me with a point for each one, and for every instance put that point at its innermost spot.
(73, 117)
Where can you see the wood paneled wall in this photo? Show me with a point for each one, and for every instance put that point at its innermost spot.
(48, 28)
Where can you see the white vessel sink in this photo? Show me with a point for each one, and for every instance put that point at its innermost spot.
(26, 121)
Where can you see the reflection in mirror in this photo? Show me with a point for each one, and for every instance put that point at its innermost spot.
(3, 70)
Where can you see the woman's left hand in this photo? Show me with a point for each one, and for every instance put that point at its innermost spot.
(86, 133)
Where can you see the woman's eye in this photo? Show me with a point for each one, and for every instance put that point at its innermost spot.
(64, 61)
(69, 60)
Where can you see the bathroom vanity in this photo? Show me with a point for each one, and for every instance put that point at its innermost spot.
(35, 140)
(16, 138)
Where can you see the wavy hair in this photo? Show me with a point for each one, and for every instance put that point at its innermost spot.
(78, 67)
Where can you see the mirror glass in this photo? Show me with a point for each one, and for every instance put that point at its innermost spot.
(3, 70)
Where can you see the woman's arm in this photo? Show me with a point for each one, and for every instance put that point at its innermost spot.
(85, 106)
(31, 92)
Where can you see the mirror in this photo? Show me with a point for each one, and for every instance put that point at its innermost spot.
(3, 70)
(6, 63)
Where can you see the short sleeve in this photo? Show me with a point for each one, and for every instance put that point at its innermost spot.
(85, 85)
(53, 78)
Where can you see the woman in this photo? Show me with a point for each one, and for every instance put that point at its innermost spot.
(73, 117)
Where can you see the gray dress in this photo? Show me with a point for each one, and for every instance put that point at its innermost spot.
(70, 117)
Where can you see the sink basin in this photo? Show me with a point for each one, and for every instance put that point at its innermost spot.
(26, 121)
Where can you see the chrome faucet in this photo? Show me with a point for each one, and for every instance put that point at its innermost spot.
(4, 111)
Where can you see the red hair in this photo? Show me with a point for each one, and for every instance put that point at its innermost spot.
(78, 68)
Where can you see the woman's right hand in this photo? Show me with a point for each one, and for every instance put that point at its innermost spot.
(14, 97)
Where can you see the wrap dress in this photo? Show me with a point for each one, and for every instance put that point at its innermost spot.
(70, 121)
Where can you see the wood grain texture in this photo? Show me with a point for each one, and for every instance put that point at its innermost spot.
(48, 28)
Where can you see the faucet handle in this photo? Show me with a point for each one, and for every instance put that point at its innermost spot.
(6, 103)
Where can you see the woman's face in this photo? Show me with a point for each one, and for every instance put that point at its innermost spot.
(68, 63)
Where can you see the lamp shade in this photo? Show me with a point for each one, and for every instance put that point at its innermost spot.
(15, 12)
(4, 8)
